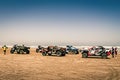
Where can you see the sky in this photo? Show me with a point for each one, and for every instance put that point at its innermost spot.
(60, 22)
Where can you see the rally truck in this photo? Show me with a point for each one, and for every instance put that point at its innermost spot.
(96, 51)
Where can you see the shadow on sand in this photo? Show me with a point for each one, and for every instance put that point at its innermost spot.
(96, 57)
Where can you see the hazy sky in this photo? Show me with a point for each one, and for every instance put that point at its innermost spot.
(60, 22)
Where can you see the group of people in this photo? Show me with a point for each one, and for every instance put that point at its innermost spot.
(114, 52)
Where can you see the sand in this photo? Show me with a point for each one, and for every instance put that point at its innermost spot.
(34, 66)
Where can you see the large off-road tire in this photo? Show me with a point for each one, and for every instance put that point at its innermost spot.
(37, 50)
(104, 56)
(18, 52)
(63, 54)
(44, 53)
(12, 51)
(27, 52)
(84, 55)
(76, 52)
(66, 52)
(49, 54)
(59, 53)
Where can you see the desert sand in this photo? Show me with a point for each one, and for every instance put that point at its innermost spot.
(34, 66)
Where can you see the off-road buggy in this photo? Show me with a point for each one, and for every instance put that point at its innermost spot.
(71, 49)
(54, 50)
(20, 49)
(96, 51)
(39, 49)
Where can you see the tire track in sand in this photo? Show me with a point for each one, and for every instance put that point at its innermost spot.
(114, 73)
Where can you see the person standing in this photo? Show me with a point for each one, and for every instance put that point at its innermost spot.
(113, 52)
(4, 49)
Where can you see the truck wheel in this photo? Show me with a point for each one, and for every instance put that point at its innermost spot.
(63, 54)
(76, 52)
(44, 53)
(37, 50)
(11, 51)
(104, 56)
(18, 51)
(66, 52)
(27, 52)
(49, 54)
(84, 55)
(59, 53)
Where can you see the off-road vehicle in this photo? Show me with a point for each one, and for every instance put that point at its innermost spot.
(71, 49)
(54, 50)
(96, 51)
(20, 49)
(39, 49)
